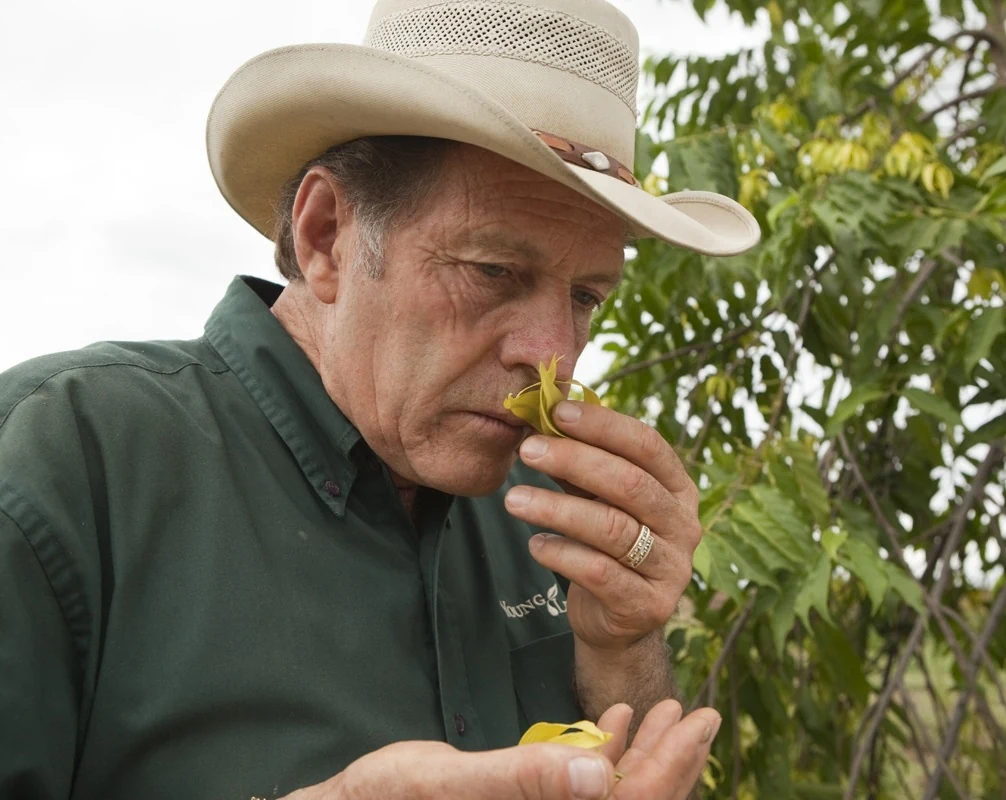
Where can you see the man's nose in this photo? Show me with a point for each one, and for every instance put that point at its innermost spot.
(539, 332)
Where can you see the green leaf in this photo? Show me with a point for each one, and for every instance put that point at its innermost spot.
(841, 662)
(866, 564)
(747, 558)
(702, 559)
(784, 514)
(784, 615)
(933, 404)
(832, 540)
(805, 472)
(982, 333)
(720, 576)
(904, 585)
(702, 162)
(859, 396)
(774, 538)
(998, 167)
(814, 590)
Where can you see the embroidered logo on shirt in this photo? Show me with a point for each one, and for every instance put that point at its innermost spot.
(550, 601)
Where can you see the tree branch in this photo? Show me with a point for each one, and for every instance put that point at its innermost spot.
(933, 597)
(709, 684)
(964, 79)
(998, 607)
(695, 347)
(964, 98)
(735, 726)
(990, 667)
(932, 604)
(917, 725)
(963, 132)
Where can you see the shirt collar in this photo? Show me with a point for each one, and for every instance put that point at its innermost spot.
(285, 386)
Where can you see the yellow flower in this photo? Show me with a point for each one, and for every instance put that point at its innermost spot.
(580, 734)
(534, 404)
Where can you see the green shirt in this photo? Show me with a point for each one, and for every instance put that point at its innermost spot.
(209, 587)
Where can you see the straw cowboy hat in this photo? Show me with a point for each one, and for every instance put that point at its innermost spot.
(550, 84)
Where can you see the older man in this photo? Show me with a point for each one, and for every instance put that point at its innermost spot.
(300, 552)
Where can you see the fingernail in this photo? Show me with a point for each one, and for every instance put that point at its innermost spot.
(568, 412)
(711, 730)
(518, 497)
(588, 780)
(535, 542)
(535, 447)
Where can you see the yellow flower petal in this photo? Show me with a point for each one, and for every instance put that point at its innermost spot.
(535, 403)
(583, 734)
(526, 406)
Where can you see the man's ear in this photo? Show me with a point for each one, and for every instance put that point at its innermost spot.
(322, 232)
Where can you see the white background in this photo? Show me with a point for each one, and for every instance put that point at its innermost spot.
(110, 224)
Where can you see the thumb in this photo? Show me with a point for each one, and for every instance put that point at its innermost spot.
(540, 772)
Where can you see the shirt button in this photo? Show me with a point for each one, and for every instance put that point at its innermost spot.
(332, 488)
(459, 724)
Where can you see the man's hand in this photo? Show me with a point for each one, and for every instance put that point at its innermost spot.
(663, 763)
(634, 478)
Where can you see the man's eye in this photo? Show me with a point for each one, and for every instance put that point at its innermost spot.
(586, 299)
(491, 270)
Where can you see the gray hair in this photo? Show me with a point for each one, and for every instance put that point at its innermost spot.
(385, 178)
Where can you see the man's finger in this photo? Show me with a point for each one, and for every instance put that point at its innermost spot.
(606, 475)
(599, 525)
(672, 767)
(630, 438)
(616, 721)
(533, 772)
(662, 716)
(618, 588)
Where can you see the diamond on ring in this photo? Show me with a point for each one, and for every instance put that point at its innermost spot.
(640, 550)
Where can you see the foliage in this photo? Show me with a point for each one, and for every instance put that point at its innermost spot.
(837, 393)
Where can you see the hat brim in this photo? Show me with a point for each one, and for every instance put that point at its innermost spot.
(286, 106)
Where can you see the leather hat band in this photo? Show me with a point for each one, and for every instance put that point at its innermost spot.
(583, 156)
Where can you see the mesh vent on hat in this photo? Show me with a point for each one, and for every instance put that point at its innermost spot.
(511, 30)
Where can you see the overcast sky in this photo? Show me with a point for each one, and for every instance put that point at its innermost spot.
(110, 224)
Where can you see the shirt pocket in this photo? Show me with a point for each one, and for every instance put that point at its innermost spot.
(543, 680)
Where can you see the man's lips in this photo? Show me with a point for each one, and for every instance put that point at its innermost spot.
(502, 416)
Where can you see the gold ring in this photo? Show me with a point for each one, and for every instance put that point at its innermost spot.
(640, 550)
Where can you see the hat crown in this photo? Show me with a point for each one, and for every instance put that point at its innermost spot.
(589, 39)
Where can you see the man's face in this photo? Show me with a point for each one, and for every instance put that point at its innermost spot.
(499, 269)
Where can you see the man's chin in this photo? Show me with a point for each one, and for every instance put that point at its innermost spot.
(469, 477)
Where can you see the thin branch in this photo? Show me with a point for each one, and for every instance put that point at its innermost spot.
(964, 98)
(933, 606)
(709, 684)
(935, 529)
(707, 418)
(950, 742)
(939, 710)
(801, 320)
(964, 78)
(917, 730)
(904, 74)
(873, 775)
(869, 728)
(990, 667)
(926, 270)
(963, 132)
(916, 724)
(695, 347)
(735, 725)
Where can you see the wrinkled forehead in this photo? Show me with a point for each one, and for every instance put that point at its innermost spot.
(497, 201)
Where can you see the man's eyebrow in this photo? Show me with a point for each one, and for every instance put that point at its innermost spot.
(498, 240)
(501, 241)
